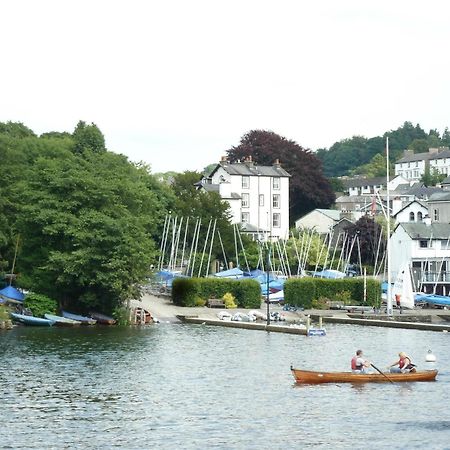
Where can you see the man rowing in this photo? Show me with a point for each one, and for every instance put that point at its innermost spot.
(358, 363)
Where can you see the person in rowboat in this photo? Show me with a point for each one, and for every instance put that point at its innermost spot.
(404, 364)
(358, 363)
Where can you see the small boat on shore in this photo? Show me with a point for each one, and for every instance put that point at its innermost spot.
(62, 321)
(83, 319)
(102, 318)
(310, 377)
(31, 320)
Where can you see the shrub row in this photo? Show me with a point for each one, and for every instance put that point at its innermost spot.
(302, 291)
(188, 291)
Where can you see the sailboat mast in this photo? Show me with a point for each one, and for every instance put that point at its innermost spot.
(388, 246)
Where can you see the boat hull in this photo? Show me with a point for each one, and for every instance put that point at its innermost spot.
(31, 320)
(84, 320)
(62, 321)
(310, 377)
(102, 318)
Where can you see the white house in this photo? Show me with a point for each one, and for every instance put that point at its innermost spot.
(414, 211)
(426, 247)
(412, 165)
(361, 186)
(258, 196)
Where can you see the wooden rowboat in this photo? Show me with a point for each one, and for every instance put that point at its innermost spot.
(309, 377)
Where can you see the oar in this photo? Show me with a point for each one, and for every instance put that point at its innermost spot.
(384, 375)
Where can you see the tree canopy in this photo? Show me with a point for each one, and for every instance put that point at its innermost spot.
(309, 189)
(87, 219)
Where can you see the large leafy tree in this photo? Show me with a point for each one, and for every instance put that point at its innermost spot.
(308, 187)
(87, 222)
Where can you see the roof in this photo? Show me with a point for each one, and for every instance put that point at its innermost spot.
(415, 157)
(409, 204)
(251, 169)
(331, 213)
(359, 182)
(419, 230)
(441, 196)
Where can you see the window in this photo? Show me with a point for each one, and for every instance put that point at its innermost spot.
(436, 215)
(245, 182)
(245, 201)
(276, 182)
(419, 217)
(423, 244)
(245, 217)
(276, 200)
(276, 220)
(261, 199)
(412, 217)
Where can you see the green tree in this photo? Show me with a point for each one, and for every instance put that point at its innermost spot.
(88, 137)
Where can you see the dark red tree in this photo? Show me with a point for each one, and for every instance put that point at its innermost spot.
(309, 189)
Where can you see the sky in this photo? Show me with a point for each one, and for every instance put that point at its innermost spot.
(176, 83)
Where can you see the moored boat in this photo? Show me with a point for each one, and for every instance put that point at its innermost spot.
(102, 318)
(310, 377)
(62, 321)
(83, 319)
(31, 320)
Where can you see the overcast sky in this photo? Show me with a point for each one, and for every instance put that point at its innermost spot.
(176, 83)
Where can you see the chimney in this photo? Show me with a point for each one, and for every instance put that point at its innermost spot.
(223, 160)
(427, 220)
(408, 153)
(277, 163)
(248, 161)
(433, 151)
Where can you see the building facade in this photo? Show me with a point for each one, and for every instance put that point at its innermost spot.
(258, 196)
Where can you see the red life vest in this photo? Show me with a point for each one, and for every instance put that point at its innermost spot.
(402, 362)
(354, 365)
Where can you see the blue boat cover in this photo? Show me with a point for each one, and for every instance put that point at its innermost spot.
(433, 299)
(231, 273)
(12, 293)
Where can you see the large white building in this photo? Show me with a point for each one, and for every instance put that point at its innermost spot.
(412, 165)
(258, 196)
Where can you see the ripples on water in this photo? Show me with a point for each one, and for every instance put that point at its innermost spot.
(197, 387)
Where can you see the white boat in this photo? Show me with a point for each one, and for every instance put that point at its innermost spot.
(402, 289)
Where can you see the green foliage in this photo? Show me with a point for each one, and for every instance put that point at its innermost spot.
(122, 315)
(88, 137)
(40, 304)
(229, 299)
(186, 291)
(432, 178)
(87, 221)
(344, 297)
(320, 303)
(4, 312)
(303, 291)
(199, 302)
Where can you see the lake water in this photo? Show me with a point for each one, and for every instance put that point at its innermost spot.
(184, 386)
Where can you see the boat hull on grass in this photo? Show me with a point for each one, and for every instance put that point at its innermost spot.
(84, 320)
(31, 320)
(310, 377)
(62, 321)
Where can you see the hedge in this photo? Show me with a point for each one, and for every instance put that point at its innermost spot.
(302, 291)
(186, 291)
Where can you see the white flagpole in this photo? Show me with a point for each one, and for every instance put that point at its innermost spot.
(388, 246)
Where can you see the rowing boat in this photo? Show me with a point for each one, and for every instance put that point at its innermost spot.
(102, 318)
(310, 377)
(62, 321)
(31, 320)
(84, 320)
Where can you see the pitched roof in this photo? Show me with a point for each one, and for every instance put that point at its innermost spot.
(419, 230)
(441, 196)
(409, 204)
(251, 169)
(359, 182)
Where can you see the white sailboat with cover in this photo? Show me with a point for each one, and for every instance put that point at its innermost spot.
(402, 291)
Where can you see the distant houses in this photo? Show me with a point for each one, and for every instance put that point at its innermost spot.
(258, 196)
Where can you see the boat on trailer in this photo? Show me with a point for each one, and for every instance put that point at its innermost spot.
(310, 377)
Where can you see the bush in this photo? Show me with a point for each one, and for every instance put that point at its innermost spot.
(199, 302)
(320, 303)
(228, 299)
(302, 291)
(40, 304)
(122, 315)
(187, 291)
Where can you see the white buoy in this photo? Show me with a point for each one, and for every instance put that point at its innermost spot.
(430, 357)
